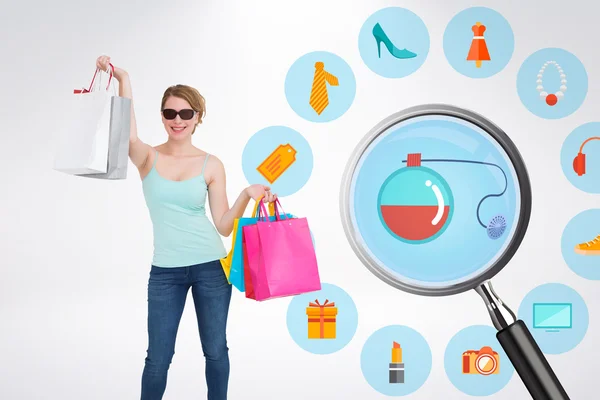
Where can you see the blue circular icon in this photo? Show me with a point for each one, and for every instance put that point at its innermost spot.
(393, 42)
(479, 42)
(320, 86)
(580, 157)
(396, 360)
(557, 317)
(552, 83)
(459, 186)
(324, 321)
(475, 362)
(580, 244)
(278, 157)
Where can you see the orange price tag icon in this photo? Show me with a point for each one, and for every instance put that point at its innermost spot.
(277, 162)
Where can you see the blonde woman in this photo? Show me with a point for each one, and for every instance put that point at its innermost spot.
(177, 179)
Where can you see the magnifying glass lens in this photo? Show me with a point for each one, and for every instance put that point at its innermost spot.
(433, 202)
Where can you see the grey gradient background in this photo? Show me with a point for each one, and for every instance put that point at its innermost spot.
(76, 253)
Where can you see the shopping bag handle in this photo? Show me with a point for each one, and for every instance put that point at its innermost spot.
(262, 212)
(255, 211)
(277, 213)
(88, 90)
(111, 72)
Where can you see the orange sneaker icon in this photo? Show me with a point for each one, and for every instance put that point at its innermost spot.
(591, 248)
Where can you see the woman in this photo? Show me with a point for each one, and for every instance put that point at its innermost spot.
(177, 178)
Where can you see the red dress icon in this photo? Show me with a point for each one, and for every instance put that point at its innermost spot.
(478, 51)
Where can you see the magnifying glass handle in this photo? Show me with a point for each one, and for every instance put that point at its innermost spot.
(530, 363)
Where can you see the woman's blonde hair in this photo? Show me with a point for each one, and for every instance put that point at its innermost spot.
(190, 95)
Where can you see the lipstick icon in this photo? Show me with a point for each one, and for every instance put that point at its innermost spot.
(396, 366)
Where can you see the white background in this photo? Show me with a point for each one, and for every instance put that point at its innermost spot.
(76, 253)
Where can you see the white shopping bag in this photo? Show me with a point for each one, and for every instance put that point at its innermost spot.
(83, 145)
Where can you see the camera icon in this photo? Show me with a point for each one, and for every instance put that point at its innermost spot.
(482, 362)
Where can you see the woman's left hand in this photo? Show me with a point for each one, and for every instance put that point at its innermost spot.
(269, 197)
(257, 190)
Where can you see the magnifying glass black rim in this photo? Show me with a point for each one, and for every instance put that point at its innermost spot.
(438, 110)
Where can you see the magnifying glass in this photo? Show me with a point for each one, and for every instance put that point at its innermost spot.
(435, 201)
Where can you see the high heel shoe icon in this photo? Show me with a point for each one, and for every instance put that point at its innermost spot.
(380, 36)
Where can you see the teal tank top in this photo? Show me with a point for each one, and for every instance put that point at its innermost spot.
(183, 234)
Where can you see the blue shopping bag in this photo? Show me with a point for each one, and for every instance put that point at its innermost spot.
(236, 273)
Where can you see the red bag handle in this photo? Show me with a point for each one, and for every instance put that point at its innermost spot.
(84, 90)
(263, 211)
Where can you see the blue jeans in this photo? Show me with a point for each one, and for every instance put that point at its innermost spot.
(167, 292)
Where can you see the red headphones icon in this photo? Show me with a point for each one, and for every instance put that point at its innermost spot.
(579, 160)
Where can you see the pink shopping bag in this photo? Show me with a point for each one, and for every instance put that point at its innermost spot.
(281, 259)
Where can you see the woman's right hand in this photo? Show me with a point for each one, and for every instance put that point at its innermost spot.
(103, 62)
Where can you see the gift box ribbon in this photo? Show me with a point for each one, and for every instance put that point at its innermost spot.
(321, 318)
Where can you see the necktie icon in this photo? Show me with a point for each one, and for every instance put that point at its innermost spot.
(318, 95)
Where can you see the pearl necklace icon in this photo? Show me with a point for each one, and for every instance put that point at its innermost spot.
(552, 99)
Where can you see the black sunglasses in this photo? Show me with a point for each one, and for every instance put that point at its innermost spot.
(185, 114)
